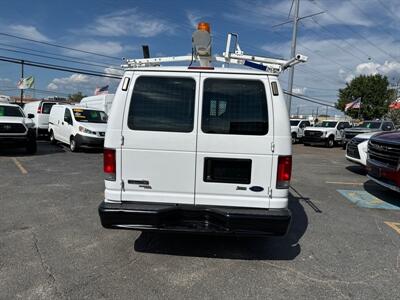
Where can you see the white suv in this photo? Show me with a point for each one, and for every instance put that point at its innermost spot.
(198, 150)
(16, 129)
(328, 133)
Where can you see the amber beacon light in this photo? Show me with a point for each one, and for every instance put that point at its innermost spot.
(204, 26)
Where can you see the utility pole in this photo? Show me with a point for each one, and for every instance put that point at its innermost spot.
(293, 51)
(295, 21)
(22, 76)
(298, 111)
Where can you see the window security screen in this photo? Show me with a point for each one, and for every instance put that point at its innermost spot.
(162, 104)
(234, 107)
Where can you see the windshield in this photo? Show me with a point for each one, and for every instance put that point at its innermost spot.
(372, 125)
(46, 107)
(10, 111)
(89, 116)
(327, 124)
(294, 123)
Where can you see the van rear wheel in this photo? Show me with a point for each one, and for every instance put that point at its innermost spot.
(73, 146)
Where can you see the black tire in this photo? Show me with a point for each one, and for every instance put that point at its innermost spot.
(294, 138)
(52, 138)
(306, 144)
(73, 145)
(31, 147)
(344, 146)
(330, 142)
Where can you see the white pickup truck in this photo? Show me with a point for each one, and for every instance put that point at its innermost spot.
(328, 133)
(297, 129)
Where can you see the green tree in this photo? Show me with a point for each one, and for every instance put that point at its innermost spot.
(373, 92)
(76, 97)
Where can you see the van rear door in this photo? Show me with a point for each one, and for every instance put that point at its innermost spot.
(43, 116)
(159, 149)
(234, 146)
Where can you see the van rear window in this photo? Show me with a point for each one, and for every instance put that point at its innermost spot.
(46, 108)
(162, 104)
(233, 106)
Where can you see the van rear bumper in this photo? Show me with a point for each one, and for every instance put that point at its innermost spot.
(195, 219)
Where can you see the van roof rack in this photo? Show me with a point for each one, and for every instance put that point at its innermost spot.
(263, 63)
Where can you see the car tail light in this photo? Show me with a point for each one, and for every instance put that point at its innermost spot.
(109, 164)
(284, 172)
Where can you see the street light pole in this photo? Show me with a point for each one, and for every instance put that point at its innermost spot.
(22, 77)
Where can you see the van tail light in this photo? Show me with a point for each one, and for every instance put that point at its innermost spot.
(109, 164)
(39, 110)
(284, 172)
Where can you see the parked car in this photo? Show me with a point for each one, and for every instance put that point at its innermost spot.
(383, 162)
(297, 129)
(328, 133)
(41, 111)
(77, 126)
(204, 150)
(357, 148)
(16, 129)
(100, 102)
(365, 127)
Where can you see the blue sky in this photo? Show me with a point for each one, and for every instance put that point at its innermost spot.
(351, 38)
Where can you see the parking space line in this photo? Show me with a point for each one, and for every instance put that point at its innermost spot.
(394, 225)
(344, 183)
(19, 166)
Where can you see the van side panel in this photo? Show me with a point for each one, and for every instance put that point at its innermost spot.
(282, 142)
(113, 140)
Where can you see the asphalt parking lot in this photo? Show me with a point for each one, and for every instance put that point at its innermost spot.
(344, 241)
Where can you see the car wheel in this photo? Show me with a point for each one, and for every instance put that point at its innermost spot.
(330, 142)
(31, 147)
(294, 138)
(52, 138)
(73, 146)
(306, 144)
(344, 146)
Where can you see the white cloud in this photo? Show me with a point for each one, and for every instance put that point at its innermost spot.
(83, 83)
(105, 48)
(129, 22)
(299, 90)
(30, 32)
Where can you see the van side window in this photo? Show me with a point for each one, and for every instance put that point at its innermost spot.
(162, 104)
(67, 116)
(233, 106)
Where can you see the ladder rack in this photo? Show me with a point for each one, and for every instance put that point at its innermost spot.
(267, 64)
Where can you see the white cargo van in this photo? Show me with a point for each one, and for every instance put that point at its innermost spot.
(77, 126)
(198, 149)
(41, 111)
(100, 102)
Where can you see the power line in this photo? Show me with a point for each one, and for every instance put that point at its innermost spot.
(387, 9)
(308, 99)
(60, 59)
(59, 46)
(343, 40)
(56, 54)
(58, 67)
(357, 33)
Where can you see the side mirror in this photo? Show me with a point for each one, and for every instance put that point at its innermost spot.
(31, 116)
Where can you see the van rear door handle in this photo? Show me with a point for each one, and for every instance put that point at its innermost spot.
(140, 182)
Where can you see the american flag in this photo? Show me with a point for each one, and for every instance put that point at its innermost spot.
(101, 91)
(353, 105)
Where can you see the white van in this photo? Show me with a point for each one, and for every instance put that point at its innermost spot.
(100, 102)
(77, 126)
(41, 111)
(199, 148)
